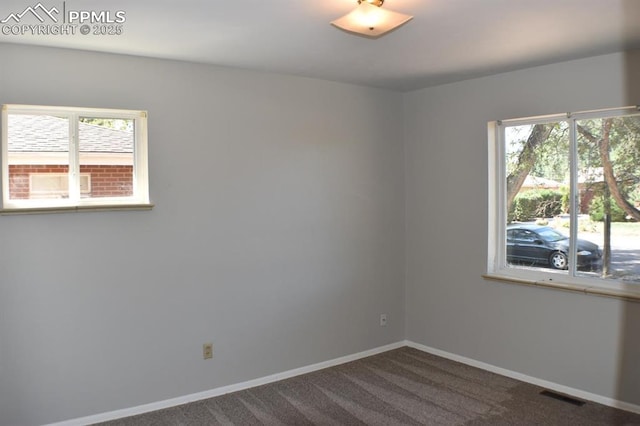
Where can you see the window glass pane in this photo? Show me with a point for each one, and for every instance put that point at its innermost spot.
(106, 156)
(609, 189)
(38, 154)
(537, 176)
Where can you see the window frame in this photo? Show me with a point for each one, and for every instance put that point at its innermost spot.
(139, 200)
(497, 267)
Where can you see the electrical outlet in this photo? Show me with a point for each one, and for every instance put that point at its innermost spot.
(383, 320)
(207, 350)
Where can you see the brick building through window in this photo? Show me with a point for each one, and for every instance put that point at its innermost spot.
(38, 157)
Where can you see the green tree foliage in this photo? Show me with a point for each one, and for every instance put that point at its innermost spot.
(533, 204)
(525, 146)
(613, 146)
(112, 123)
(596, 211)
(608, 153)
(552, 160)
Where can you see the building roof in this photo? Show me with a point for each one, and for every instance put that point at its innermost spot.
(45, 133)
(539, 182)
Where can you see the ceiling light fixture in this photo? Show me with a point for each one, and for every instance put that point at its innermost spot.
(370, 20)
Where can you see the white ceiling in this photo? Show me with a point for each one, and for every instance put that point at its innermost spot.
(448, 40)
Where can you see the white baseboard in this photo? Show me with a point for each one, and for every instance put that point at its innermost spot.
(528, 379)
(173, 402)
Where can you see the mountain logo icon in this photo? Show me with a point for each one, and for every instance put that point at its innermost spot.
(39, 11)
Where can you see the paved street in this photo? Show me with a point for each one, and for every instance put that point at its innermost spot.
(625, 258)
(625, 255)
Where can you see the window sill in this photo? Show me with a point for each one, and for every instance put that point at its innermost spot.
(76, 209)
(632, 296)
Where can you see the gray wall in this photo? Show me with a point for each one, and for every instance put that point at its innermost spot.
(584, 342)
(278, 234)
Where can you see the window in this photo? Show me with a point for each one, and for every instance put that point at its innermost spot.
(59, 158)
(564, 201)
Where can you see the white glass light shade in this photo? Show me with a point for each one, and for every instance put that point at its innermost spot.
(371, 21)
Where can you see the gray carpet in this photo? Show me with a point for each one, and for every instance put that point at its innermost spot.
(400, 387)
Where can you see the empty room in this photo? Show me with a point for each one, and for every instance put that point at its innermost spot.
(399, 212)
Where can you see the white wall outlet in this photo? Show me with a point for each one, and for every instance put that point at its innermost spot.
(383, 320)
(207, 350)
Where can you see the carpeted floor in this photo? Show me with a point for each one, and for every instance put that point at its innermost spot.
(400, 387)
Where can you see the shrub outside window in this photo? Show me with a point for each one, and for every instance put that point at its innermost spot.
(565, 200)
(73, 158)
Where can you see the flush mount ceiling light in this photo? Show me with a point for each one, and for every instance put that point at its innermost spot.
(370, 20)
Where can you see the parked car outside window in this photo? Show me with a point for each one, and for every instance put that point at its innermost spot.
(543, 245)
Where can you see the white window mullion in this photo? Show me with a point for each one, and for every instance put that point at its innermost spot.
(74, 159)
(496, 258)
(140, 170)
(574, 197)
(4, 156)
(501, 213)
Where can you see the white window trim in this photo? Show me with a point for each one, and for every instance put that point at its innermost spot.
(138, 201)
(497, 269)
